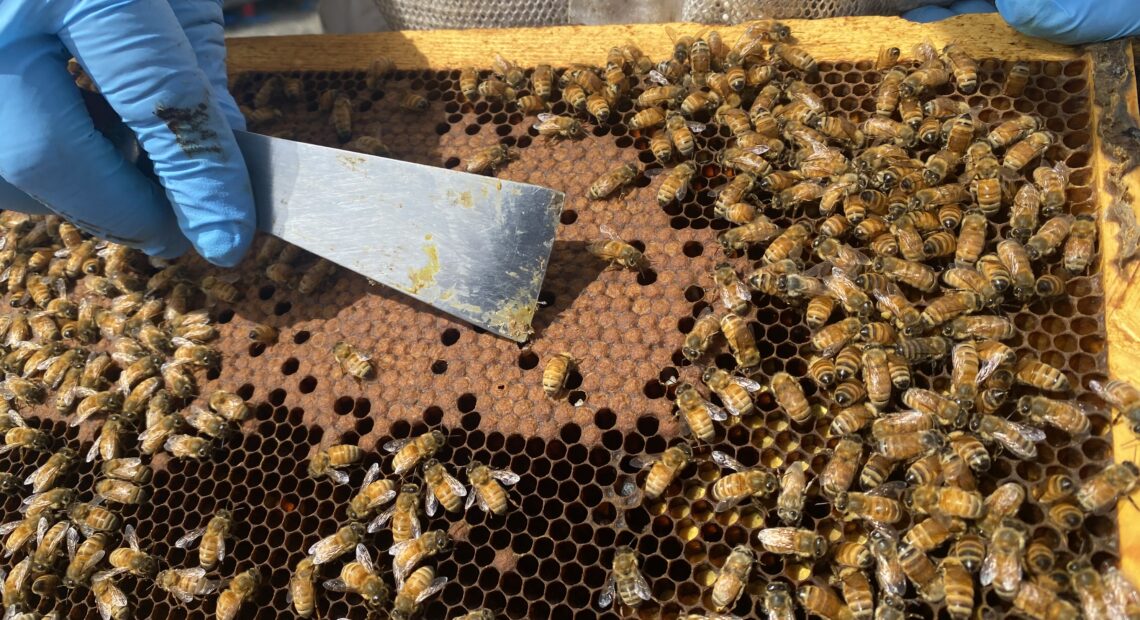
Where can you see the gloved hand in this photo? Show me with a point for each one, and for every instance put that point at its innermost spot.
(1071, 22)
(161, 66)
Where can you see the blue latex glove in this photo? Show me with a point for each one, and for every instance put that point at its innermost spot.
(161, 66)
(1071, 22)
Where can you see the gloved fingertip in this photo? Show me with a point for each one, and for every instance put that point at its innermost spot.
(966, 7)
(223, 244)
(926, 14)
(1036, 18)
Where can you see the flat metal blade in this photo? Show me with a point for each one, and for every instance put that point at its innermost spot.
(475, 247)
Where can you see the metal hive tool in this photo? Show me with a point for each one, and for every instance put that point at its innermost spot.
(551, 554)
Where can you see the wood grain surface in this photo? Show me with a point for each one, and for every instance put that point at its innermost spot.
(853, 38)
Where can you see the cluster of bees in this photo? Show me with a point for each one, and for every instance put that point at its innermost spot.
(125, 357)
(410, 545)
(900, 277)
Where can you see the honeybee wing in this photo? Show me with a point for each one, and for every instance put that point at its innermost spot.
(1098, 387)
(606, 597)
(482, 501)
(113, 600)
(431, 504)
(989, 365)
(695, 127)
(1120, 594)
(72, 543)
(751, 40)
(893, 489)
(396, 444)
(504, 476)
(325, 550)
(1005, 435)
(337, 476)
(609, 232)
(435, 586)
(189, 537)
(471, 498)
(748, 384)
(724, 460)
(888, 572)
(732, 295)
(640, 587)
(379, 521)
(131, 537)
(7, 528)
(336, 585)
(364, 558)
(544, 117)
(989, 569)
(16, 418)
(93, 452)
(372, 475)
(715, 412)
(383, 498)
(41, 529)
(641, 462)
(657, 77)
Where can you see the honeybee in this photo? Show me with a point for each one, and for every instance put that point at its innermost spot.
(831, 338)
(922, 572)
(734, 392)
(1120, 395)
(374, 492)
(612, 181)
(730, 490)
(598, 107)
(22, 392)
(20, 533)
(923, 349)
(301, 593)
(819, 310)
(851, 420)
(120, 491)
(354, 363)
(1002, 565)
(854, 300)
(1016, 80)
(1010, 131)
(732, 577)
(892, 303)
(697, 412)
(90, 518)
(1023, 153)
(22, 436)
(950, 306)
(789, 394)
(740, 340)
(486, 160)
(876, 375)
(487, 489)
(469, 82)
(542, 81)
(759, 230)
(1054, 488)
(420, 585)
(409, 452)
(328, 462)
(494, 89)
(675, 185)
(443, 489)
(45, 476)
(186, 584)
(883, 128)
(617, 252)
(240, 590)
(662, 148)
(917, 275)
(1003, 503)
(404, 515)
(1069, 417)
(132, 559)
(1101, 492)
(1038, 374)
(992, 268)
(212, 548)
(408, 554)
(874, 506)
(282, 273)
(1018, 439)
(337, 544)
(554, 126)
(109, 599)
(839, 472)
(360, 577)
(664, 469)
(1081, 245)
(158, 432)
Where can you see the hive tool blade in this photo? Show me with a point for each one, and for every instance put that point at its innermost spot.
(472, 246)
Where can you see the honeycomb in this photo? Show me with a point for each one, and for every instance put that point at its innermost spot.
(550, 555)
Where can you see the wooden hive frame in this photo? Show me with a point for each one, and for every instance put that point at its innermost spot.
(1114, 113)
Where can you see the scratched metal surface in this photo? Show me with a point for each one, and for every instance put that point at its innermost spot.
(550, 556)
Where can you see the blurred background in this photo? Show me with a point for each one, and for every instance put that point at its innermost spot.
(256, 18)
